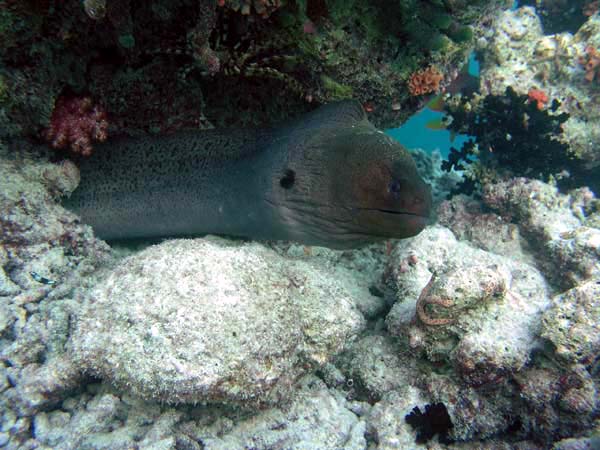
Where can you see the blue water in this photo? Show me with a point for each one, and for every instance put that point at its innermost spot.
(414, 133)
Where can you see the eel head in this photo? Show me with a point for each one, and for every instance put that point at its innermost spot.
(348, 186)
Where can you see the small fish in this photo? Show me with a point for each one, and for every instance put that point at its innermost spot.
(40, 279)
(95, 9)
(436, 124)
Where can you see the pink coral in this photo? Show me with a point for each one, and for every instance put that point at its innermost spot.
(75, 123)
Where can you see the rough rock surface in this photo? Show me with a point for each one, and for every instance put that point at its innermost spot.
(207, 320)
(318, 418)
(429, 166)
(572, 324)
(478, 310)
(556, 225)
(484, 229)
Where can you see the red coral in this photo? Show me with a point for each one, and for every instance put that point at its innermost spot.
(75, 122)
(538, 96)
(425, 81)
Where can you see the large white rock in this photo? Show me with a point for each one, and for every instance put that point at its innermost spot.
(210, 321)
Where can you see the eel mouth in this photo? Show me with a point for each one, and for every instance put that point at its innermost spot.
(393, 223)
(397, 212)
(400, 213)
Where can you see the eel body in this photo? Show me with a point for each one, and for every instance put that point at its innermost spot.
(330, 178)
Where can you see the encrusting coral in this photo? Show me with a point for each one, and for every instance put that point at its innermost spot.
(425, 81)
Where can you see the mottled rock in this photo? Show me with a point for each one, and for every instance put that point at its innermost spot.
(207, 320)
(477, 310)
(386, 424)
(375, 366)
(39, 386)
(316, 419)
(488, 231)
(567, 250)
(572, 323)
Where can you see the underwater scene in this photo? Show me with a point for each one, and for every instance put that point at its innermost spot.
(299, 224)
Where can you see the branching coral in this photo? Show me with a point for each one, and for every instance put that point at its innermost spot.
(75, 123)
(425, 81)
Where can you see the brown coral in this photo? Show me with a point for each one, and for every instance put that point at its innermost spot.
(591, 63)
(425, 81)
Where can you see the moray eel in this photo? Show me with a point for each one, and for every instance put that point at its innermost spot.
(330, 179)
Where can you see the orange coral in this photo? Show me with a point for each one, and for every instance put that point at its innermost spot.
(538, 96)
(591, 63)
(425, 81)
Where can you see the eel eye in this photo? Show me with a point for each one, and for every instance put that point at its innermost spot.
(288, 179)
(394, 187)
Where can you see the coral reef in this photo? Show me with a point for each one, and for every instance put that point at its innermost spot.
(558, 16)
(162, 66)
(486, 370)
(572, 324)
(459, 296)
(504, 384)
(517, 53)
(493, 313)
(561, 229)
